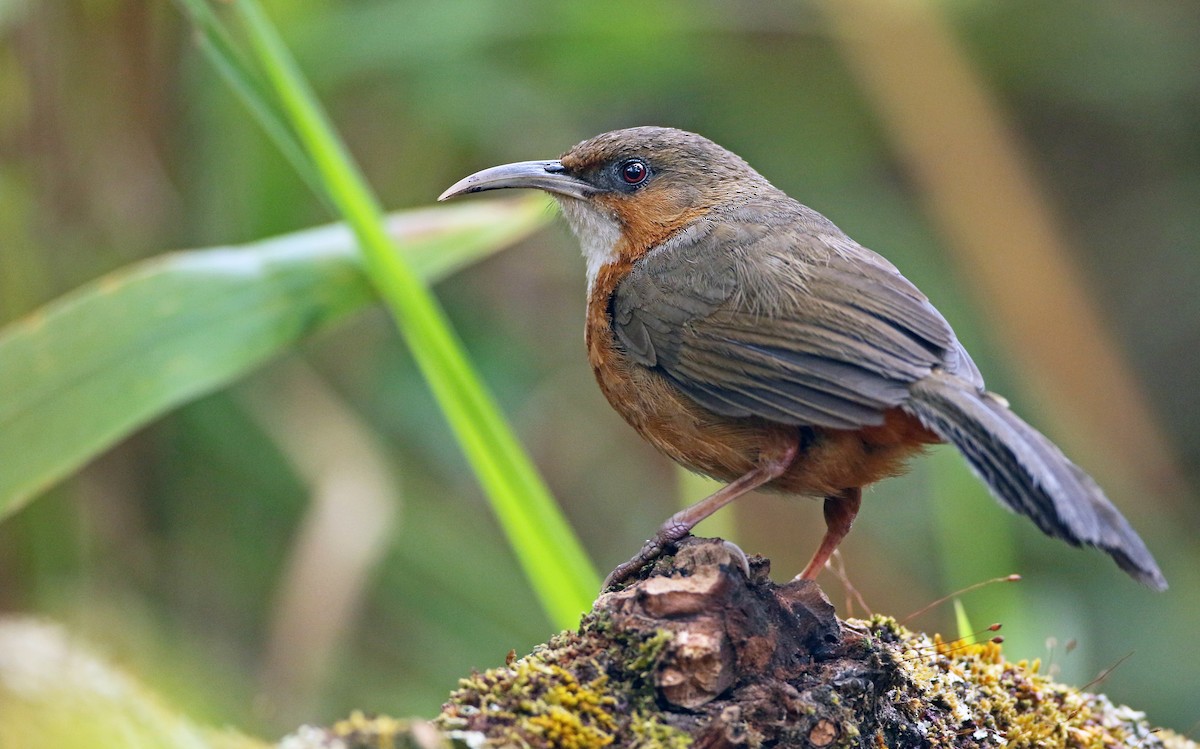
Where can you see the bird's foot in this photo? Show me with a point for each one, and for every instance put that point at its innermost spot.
(657, 547)
(654, 548)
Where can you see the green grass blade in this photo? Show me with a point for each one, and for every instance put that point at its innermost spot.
(551, 556)
(91, 367)
(962, 623)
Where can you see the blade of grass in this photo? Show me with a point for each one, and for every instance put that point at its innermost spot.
(89, 368)
(965, 632)
(551, 556)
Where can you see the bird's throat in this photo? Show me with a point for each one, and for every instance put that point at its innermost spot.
(598, 232)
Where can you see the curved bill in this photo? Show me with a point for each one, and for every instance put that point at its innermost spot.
(550, 176)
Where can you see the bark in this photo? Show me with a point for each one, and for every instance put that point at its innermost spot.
(705, 651)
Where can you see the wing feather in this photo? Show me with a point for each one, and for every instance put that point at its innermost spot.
(795, 326)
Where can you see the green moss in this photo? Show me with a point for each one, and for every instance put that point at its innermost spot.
(581, 690)
(537, 701)
(595, 688)
(649, 733)
(646, 651)
(968, 695)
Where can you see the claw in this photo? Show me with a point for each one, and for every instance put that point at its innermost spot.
(738, 556)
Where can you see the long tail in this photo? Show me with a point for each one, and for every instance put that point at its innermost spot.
(1028, 474)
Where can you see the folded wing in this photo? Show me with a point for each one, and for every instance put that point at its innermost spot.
(797, 327)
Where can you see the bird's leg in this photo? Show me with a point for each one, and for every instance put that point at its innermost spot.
(772, 463)
(840, 510)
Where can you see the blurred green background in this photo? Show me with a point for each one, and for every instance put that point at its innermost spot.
(311, 541)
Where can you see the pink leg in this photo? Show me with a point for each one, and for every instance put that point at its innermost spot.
(840, 510)
(771, 465)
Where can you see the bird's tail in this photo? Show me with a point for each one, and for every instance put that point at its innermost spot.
(1028, 474)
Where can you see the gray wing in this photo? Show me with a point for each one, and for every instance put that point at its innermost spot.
(747, 324)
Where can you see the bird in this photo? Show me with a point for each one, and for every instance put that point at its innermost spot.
(748, 338)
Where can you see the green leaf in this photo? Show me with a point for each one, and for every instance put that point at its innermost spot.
(93, 366)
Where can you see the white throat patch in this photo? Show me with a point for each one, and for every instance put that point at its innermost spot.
(598, 233)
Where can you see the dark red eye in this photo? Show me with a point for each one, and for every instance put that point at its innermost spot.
(634, 172)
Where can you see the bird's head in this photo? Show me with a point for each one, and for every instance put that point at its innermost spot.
(626, 191)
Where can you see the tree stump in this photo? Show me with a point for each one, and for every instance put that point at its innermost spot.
(705, 651)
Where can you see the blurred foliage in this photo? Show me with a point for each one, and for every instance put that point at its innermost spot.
(54, 694)
(117, 142)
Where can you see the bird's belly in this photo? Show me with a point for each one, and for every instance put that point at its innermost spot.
(726, 448)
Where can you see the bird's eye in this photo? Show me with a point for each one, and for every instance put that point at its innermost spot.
(634, 172)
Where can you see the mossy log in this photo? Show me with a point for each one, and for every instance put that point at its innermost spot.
(705, 651)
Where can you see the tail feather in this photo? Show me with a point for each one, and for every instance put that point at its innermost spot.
(1028, 474)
